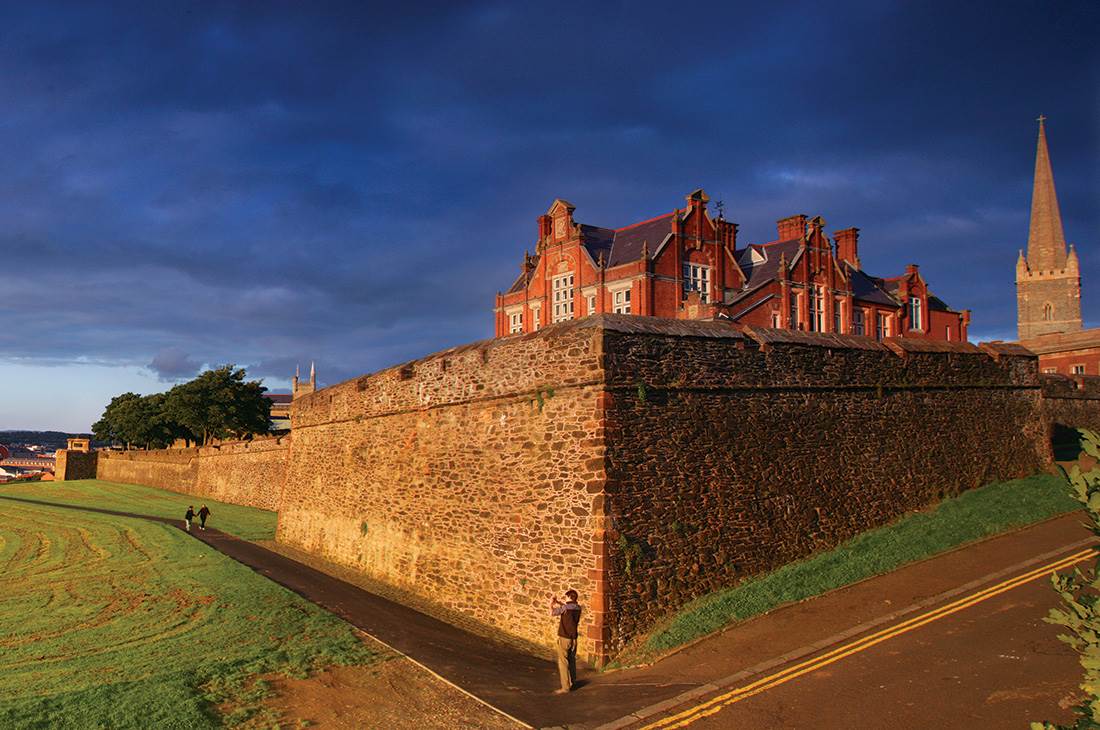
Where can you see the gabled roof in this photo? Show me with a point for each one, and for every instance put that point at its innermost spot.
(759, 270)
(623, 245)
(870, 288)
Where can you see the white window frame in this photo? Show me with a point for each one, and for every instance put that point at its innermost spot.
(916, 314)
(816, 300)
(621, 299)
(794, 311)
(883, 331)
(1078, 369)
(536, 319)
(696, 277)
(515, 319)
(859, 321)
(838, 316)
(1050, 371)
(564, 294)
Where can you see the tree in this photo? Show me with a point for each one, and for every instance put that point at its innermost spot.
(114, 425)
(219, 404)
(134, 420)
(1080, 593)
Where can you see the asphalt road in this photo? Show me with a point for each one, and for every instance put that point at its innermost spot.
(993, 664)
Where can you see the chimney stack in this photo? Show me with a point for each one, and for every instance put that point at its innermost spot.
(791, 228)
(847, 246)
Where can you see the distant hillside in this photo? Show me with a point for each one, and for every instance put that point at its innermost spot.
(51, 439)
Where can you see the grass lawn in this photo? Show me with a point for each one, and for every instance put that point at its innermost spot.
(248, 523)
(116, 622)
(972, 515)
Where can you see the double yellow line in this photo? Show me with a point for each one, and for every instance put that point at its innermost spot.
(715, 704)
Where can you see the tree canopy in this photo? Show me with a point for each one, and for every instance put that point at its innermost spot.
(217, 404)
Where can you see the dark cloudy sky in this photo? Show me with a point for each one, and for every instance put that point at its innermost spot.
(185, 184)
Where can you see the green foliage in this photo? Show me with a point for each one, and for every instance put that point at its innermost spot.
(247, 523)
(1080, 594)
(220, 404)
(541, 395)
(131, 419)
(217, 404)
(642, 393)
(632, 551)
(115, 622)
(974, 514)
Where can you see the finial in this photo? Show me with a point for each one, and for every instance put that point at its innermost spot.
(645, 248)
(600, 261)
(721, 207)
(312, 371)
(1041, 119)
(298, 371)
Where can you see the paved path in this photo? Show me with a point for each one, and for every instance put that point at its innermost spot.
(965, 645)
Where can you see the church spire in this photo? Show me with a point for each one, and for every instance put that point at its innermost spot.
(1046, 243)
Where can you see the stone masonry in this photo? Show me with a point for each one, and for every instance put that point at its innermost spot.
(643, 462)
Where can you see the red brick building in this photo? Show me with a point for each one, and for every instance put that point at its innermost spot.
(686, 265)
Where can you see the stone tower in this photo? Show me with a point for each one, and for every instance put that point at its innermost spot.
(299, 388)
(1048, 280)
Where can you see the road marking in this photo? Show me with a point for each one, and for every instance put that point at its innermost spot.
(715, 704)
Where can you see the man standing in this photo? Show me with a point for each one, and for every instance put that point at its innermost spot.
(569, 617)
(204, 512)
(188, 517)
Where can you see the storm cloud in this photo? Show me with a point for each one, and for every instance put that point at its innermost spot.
(270, 184)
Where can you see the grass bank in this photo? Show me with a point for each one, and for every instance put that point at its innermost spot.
(248, 523)
(116, 622)
(973, 515)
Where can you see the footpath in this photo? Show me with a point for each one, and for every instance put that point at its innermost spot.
(521, 686)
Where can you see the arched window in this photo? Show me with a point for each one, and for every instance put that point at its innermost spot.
(1048, 312)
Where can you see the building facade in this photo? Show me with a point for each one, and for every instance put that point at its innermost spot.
(686, 265)
(1048, 284)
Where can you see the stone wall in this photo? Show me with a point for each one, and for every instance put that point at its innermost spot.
(1072, 400)
(248, 472)
(467, 477)
(732, 455)
(75, 464)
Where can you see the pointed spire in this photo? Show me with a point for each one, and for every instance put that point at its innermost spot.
(312, 374)
(1046, 243)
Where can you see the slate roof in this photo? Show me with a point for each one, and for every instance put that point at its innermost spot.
(869, 288)
(279, 397)
(626, 243)
(1063, 341)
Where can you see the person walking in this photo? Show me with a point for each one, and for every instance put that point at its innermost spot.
(204, 512)
(569, 617)
(188, 517)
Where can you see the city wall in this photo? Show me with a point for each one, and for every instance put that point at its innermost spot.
(643, 462)
(468, 477)
(248, 472)
(1072, 400)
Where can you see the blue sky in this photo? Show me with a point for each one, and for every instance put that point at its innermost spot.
(188, 184)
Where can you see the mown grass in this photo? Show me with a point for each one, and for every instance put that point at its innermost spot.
(971, 516)
(248, 523)
(116, 622)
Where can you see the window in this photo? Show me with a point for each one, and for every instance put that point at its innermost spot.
(697, 278)
(1050, 371)
(882, 326)
(1048, 312)
(563, 297)
(949, 333)
(915, 322)
(536, 320)
(515, 322)
(837, 307)
(857, 321)
(817, 308)
(1078, 370)
(591, 303)
(775, 320)
(793, 322)
(621, 302)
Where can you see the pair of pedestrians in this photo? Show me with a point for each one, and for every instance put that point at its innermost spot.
(204, 512)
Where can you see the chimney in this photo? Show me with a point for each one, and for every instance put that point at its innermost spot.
(791, 228)
(546, 225)
(847, 246)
